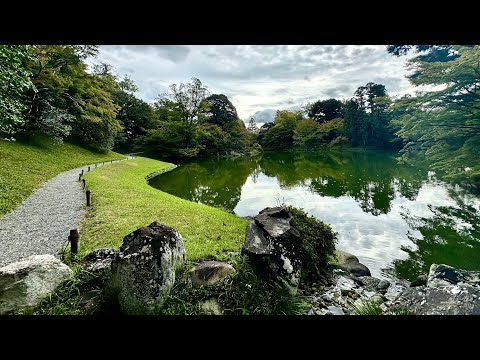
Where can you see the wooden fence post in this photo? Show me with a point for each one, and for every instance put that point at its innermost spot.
(79, 177)
(89, 203)
(89, 168)
(84, 185)
(82, 171)
(73, 238)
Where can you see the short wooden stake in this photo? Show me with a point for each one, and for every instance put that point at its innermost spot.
(84, 185)
(89, 168)
(73, 238)
(79, 177)
(88, 197)
(82, 171)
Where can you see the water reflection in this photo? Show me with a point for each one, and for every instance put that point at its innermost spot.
(378, 208)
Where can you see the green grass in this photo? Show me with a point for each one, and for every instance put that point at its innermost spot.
(25, 167)
(371, 307)
(246, 292)
(122, 202)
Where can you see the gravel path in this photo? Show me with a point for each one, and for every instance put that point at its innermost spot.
(42, 223)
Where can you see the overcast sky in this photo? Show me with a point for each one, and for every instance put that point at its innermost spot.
(256, 78)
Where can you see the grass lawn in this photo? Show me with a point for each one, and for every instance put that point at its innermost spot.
(123, 201)
(25, 167)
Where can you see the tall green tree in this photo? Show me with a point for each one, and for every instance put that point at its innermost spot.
(252, 126)
(14, 82)
(367, 119)
(68, 100)
(325, 110)
(135, 115)
(189, 102)
(281, 134)
(219, 110)
(444, 126)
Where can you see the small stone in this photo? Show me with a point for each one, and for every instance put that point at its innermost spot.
(419, 281)
(211, 307)
(210, 272)
(379, 299)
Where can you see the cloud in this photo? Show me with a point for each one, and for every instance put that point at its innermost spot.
(260, 77)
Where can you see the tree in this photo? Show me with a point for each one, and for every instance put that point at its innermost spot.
(189, 101)
(14, 82)
(252, 126)
(135, 115)
(219, 110)
(367, 119)
(280, 135)
(444, 125)
(69, 100)
(325, 110)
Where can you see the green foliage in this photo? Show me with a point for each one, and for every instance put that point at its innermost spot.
(135, 115)
(280, 134)
(371, 307)
(318, 241)
(309, 134)
(212, 138)
(246, 292)
(167, 140)
(213, 128)
(252, 126)
(219, 110)
(367, 308)
(68, 101)
(442, 126)
(14, 80)
(325, 110)
(367, 117)
(189, 102)
(25, 166)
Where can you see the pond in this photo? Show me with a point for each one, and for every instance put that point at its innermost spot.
(396, 219)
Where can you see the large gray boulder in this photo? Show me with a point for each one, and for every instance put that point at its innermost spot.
(449, 291)
(441, 275)
(143, 272)
(26, 283)
(273, 242)
(210, 272)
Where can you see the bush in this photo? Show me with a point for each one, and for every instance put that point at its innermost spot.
(318, 241)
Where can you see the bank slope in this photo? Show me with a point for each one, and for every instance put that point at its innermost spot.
(123, 201)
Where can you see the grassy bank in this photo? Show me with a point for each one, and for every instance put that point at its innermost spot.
(123, 201)
(25, 167)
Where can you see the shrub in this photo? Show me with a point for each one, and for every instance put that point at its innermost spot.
(318, 241)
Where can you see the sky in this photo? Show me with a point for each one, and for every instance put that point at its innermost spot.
(260, 79)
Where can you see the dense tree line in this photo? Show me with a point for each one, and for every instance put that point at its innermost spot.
(49, 90)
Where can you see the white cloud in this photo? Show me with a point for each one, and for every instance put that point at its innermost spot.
(258, 77)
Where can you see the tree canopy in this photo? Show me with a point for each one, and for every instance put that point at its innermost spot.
(444, 124)
(325, 110)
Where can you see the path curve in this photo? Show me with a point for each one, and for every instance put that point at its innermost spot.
(42, 223)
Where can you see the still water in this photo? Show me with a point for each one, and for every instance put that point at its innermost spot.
(396, 219)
